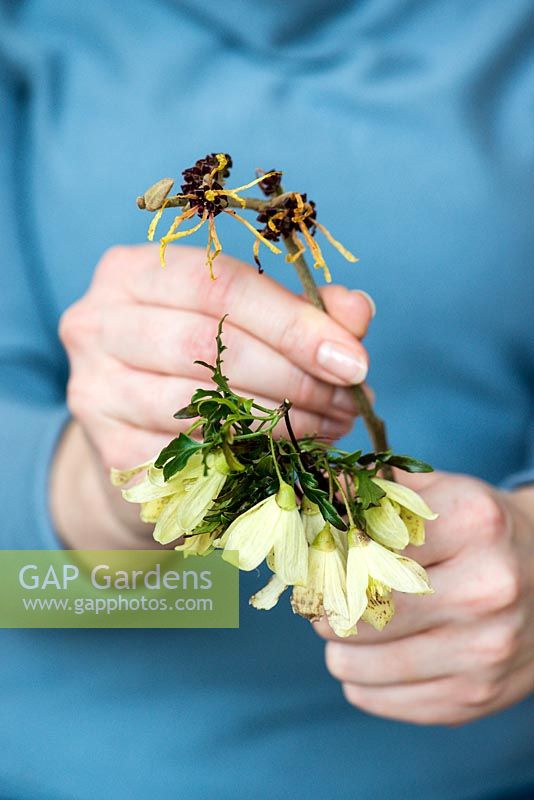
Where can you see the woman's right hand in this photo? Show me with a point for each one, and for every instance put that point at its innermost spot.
(132, 340)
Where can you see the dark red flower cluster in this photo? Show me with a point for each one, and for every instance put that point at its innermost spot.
(284, 218)
(272, 183)
(202, 177)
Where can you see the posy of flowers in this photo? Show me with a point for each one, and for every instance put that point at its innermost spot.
(330, 524)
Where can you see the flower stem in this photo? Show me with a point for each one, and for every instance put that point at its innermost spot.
(375, 426)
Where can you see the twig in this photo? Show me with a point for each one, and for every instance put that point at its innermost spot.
(375, 426)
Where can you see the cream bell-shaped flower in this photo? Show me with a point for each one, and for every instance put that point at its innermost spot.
(197, 545)
(413, 510)
(312, 519)
(153, 492)
(380, 606)
(273, 523)
(399, 519)
(189, 505)
(325, 590)
(268, 597)
(373, 570)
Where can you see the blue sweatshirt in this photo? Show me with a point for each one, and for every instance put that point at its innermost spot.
(411, 124)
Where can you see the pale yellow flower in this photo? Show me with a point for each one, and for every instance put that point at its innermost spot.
(197, 545)
(312, 519)
(373, 570)
(273, 523)
(267, 598)
(195, 496)
(325, 589)
(399, 519)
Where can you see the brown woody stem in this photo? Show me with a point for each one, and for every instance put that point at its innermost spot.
(251, 203)
(375, 426)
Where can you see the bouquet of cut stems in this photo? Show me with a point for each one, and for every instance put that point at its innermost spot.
(331, 524)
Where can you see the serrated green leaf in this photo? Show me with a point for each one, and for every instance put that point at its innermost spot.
(369, 493)
(176, 454)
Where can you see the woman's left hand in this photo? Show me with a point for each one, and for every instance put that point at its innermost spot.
(467, 650)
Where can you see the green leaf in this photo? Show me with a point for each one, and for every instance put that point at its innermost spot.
(187, 412)
(370, 458)
(176, 454)
(349, 459)
(369, 493)
(217, 376)
(409, 464)
(313, 492)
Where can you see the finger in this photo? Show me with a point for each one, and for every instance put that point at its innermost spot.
(433, 654)
(352, 308)
(305, 335)
(165, 345)
(148, 401)
(425, 702)
(450, 700)
(121, 445)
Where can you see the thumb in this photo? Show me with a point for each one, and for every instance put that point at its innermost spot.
(353, 309)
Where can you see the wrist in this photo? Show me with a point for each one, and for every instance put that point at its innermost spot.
(86, 511)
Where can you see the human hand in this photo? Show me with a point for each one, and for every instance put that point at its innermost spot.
(132, 340)
(467, 650)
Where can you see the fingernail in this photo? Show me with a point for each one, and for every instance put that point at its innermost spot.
(369, 300)
(343, 400)
(341, 362)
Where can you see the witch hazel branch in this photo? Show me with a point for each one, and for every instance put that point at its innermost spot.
(330, 524)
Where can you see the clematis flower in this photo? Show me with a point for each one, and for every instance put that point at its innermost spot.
(153, 492)
(325, 592)
(268, 597)
(399, 519)
(206, 197)
(372, 571)
(312, 519)
(197, 545)
(273, 523)
(189, 505)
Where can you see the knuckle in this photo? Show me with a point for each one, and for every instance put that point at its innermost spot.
(293, 337)
(481, 693)
(499, 587)
(500, 648)
(489, 517)
(77, 325)
(508, 584)
(77, 396)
